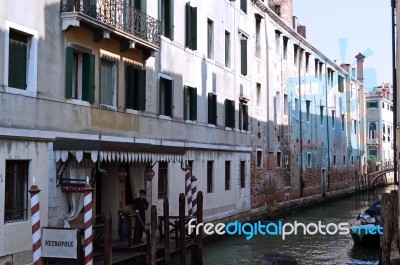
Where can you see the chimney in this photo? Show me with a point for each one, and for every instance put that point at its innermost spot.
(360, 67)
(353, 72)
(295, 23)
(301, 30)
(346, 67)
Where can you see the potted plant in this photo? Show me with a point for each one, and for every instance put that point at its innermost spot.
(123, 224)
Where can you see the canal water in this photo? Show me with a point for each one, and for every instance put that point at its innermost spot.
(307, 249)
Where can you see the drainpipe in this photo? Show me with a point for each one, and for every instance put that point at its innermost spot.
(301, 124)
(327, 125)
(396, 182)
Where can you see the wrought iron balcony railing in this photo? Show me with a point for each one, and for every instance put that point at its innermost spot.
(118, 14)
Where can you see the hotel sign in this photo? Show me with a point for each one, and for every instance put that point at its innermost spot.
(60, 243)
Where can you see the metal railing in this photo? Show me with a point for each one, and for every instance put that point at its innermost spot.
(118, 14)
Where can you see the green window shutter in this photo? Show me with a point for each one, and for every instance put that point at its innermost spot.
(141, 86)
(210, 108)
(88, 77)
(227, 116)
(243, 57)
(240, 116)
(193, 103)
(69, 58)
(232, 113)
(169, 19)
(185, 102)
(187, 25)
(214, 101)
(129, 87)
(193, 27)
(245, 117)
(168, 97)
(141, 5)
(243, 5)
(18, 45)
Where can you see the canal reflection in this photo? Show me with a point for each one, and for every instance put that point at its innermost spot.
(307, 249)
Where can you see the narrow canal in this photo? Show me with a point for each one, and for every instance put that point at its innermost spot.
(307, 249)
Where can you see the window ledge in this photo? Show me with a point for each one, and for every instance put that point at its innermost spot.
(190, 122)
(211, 125)
(133, 111)
(164, 117)
(18, 91)
(78, 102)
(229, 129)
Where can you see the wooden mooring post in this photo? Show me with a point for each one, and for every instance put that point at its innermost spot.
(107, 239)
(153, 234)
(167, 254)
(182, 233)
(388, 227)
(198, 259)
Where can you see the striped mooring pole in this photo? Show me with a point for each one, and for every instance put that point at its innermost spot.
(191, 192)
(88, 224)
(35, 217)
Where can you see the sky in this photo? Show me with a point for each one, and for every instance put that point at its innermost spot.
(340, 29)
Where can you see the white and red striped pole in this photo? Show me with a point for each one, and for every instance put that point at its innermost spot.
(88, 224)
(191, 192)
(35, 217)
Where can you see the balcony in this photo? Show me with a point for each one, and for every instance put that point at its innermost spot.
(373, 141)
(113, 17)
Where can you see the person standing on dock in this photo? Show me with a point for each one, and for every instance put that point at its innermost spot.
(140, 206)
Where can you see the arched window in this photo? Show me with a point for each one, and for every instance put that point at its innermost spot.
(372, 131)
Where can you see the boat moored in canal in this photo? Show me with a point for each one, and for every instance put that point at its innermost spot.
(365, 232)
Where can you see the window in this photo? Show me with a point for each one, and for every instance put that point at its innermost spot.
(190, 103)
(16, 191)
(212, 108)
(308, 159)
(372, 131)
(79, 74)
(166, 97)
(243, 55)
(295, 53)
(388, 133)
(343, 124)
(227, 49)
(334, 160)
(229, 113)
(308, 103)
(278, 159)
(285, 45)
(333, 119)
(258, 94)
(355, 127)
(210, 176)
(307, 62)
(340, 84)
(352, 160)
(321, 114)
(210, 39)
(277, 42)
(383, 105)
(167, 18)
(191, 27)
(321, 64)
(162, 179)
(20, 60)
(243, 6)
(285, 104)
(259, 159)
(384, 132)
(344, 160)
(243, 116)
(242, 174)
(108, 83)
(135, 88)
(372, 155)
(227, 175)
(316, 68)
(296, 108)
(258, 37)
(372, 104)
